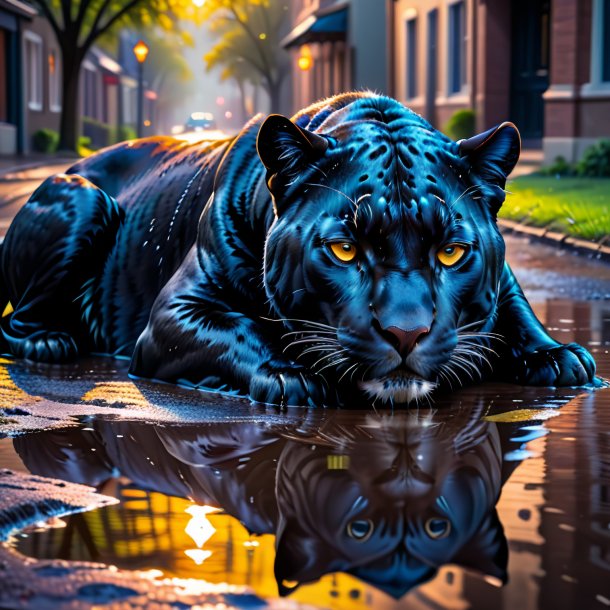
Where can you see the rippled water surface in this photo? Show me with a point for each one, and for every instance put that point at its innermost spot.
(499, 497)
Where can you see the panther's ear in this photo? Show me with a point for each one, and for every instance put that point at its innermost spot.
(284, 147)
(494, 153)
(487, 551)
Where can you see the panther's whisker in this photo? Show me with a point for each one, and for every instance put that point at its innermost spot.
(330, 188)
(461, 366)
(327, 356)
(474, 348)
(471, 188)
(467, 366)
(472, 354)
(319, 348)
(494, 336)
(334, 363)
(447, 367)
(304, 322)
(466, 326)
(445, 378)
(308, 332)
(313, 341)
(478, 346)
(347, 370)
(318, 340)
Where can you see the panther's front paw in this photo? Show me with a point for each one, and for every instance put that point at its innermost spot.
(564, 365)
(287, 386)
(44, 346)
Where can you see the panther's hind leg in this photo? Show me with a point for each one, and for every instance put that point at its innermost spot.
(58, 241)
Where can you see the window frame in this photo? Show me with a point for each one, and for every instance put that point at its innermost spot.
(457, 41)
(596, 87)
(411, 57)
(54, 81)
(34, 82)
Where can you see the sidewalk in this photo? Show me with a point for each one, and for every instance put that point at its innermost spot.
(16, 164)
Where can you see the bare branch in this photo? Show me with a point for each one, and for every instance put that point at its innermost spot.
(95, 24)
(82, 10)
(98, 30)
(253, 37)
(44, 7)
(65, 14)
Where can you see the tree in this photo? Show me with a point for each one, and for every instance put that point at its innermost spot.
(169, 74)
(78, 24)
(249, 36)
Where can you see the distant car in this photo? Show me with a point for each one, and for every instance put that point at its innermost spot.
(200, 121)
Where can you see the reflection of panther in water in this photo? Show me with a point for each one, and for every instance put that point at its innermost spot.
(390, 502)
(372, 262)
(388, 499)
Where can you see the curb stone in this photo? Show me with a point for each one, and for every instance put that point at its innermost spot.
(557, 239)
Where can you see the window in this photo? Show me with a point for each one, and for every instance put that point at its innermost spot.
(54, 82)
(599, 81)
(90, 97)
(456, 60)
(411, 58)
(33, 70)
(605, 24)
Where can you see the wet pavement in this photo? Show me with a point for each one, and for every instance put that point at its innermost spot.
(499, 497)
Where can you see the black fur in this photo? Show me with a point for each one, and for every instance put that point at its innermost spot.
(211, 269)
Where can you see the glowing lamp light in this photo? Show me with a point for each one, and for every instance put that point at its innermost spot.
(305, 62)
(140, 50)
(199, 527)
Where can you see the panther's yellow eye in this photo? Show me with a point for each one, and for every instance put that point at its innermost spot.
(344, 251)
(451, 254)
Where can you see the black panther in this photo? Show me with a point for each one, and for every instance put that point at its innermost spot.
(356, 257)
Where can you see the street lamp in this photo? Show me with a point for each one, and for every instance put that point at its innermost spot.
(141, 52)
(305, 60)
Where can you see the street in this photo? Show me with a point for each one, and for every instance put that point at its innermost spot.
(17, 186)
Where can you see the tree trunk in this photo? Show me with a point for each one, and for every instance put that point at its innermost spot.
(275, 101)
(68, 124)
(242, 98)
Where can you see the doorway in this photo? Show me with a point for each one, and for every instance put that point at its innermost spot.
(531, 21)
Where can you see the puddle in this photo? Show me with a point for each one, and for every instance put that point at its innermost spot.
(498, 497)
(362, 509)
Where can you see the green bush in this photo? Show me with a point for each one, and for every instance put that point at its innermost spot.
(559, 167)
(45, 140)
(595, 163)
(461, 124)
(126, 133)
(100, 134)
(85, 141)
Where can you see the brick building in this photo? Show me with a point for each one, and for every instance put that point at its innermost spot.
(544, 64)
(337, 45)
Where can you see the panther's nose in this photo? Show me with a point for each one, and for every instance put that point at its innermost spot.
(404, 340)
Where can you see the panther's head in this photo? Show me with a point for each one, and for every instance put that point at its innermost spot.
(384, 258)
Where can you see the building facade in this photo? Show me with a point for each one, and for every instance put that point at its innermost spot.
(338, 45)
(13, 17)
(31, 86)
(41, 79)
(544, 64)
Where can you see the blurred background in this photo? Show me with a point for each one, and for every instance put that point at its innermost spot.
(70, 79)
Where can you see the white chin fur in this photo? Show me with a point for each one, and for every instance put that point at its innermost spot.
(401, 389)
